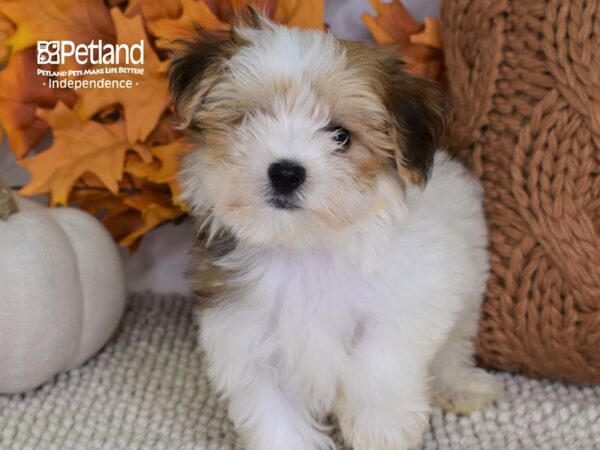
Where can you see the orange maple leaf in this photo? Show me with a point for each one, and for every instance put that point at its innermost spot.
(154, 9)
(293, 13)
(170, 156)
(78, 148)
(392, 23)
(116, 154)
(430, 36)
(7, 28)
(22, 91)
(118, 218)
(226, 9)
(146, 101)
(155, 207)
(419, 46)
(152, 216)
(217, 15)
(195, 14)
(301, 13)
(136, 166)
(75, 20)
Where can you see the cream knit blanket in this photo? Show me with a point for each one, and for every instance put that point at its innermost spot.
(147, 390)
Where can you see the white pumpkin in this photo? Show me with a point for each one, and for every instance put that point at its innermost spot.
(62, 291)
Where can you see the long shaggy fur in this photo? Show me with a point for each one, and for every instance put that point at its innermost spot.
(363, 299)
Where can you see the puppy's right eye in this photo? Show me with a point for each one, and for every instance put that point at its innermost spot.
(341, 136)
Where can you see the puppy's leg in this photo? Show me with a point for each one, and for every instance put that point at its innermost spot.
(383, 402)
(267, 414)
(268, 418)
(459, 386)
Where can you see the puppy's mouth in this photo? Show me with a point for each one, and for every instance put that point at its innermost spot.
(283, 203)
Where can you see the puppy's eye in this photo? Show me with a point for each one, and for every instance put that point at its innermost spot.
(341, 136)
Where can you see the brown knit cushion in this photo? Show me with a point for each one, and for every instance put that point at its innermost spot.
(524, 80)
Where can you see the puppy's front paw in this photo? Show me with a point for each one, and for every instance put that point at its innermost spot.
(469, 392)
(375, 430)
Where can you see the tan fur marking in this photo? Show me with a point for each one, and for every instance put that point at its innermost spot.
(209, 279)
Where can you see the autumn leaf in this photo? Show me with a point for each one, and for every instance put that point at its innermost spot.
(419, 45)
(153, 215)
(120, 219)
(80, 21)
(155, 208)
(392, 24)
(78, 148)
(145, 102)
(301, 13)
(22, 91)
(135, 165)
(195, 13)
(154, 9)
(7, 28)
(169, 156)
(136, 209)
(217, 15)
(292, 13)
(430, 36)
(164, 132)
(164, 167)
(116, 153)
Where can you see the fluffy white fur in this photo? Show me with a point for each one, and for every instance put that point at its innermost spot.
(364, 302)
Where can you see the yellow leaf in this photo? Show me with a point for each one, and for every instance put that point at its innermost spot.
(301, 13)
(21, 93)
(170, 156)
(146, 101)
(7, 28)
(152, 216)
(80, 21)
(136, 166)
(155, 207)
(217, 15)
(77, 148)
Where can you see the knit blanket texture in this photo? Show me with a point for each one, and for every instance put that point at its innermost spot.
(148, 389)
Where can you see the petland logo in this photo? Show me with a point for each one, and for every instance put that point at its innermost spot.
(57, 52)
(103, 66)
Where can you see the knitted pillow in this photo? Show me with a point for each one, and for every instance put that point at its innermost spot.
(524, 81)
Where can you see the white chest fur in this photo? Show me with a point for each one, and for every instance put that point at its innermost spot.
(299, 316)
(303, 318)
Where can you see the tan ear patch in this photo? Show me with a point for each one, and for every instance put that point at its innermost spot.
(415, 109)
(196, 67)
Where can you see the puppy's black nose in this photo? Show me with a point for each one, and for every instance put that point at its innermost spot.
(286, 176)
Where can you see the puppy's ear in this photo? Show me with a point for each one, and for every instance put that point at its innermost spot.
(417, 109)
(195, 66)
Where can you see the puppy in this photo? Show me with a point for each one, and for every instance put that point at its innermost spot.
(341, 260)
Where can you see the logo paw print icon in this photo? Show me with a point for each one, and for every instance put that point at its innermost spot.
(48, 52)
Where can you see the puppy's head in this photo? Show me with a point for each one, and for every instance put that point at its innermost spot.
(294, 130)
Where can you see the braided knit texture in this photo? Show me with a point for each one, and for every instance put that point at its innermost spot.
(148, 389)
(524, 80)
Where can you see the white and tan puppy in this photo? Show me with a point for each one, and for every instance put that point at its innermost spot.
(341, 260)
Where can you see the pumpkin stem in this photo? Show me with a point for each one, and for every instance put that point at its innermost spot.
(8, 205)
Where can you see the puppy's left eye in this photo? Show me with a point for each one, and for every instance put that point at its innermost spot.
(341, 136)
